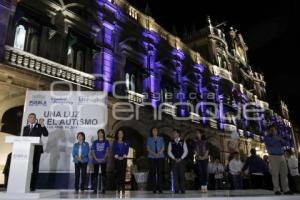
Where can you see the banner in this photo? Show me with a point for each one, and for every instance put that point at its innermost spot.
(65, 113)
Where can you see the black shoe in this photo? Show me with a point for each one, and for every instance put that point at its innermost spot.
(277, 193)
(154, 191)
(288, 193)
(176, 191)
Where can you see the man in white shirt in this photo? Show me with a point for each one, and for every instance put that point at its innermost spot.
(292, 163)
(218, 170)
(235, 169)
(177, 151)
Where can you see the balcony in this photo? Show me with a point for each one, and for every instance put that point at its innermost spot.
(229, 127)
(169, 109)
(213, 123)
(136, 98)
(195, 117)
(24, 60)
(218, 71)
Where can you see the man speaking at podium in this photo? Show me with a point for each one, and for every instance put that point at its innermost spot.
(35, 129)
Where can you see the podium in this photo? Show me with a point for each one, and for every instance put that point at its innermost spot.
(21, 168)
(21, 163)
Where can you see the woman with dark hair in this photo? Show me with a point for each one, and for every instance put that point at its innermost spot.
(100, 148)
(201, 155)
(120, 150)
(155, 148)
(80, 154)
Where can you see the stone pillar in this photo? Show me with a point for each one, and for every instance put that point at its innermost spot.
(7, 10)
(178, 57)
(107, 56)
(151, 83)
(215, 82)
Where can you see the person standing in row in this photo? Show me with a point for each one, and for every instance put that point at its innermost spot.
(274, 144)
(35, 129)
(120, 150)
(80, 154)
(218, 170)
(155, 148)
(100, 148)
(257, 169)
(292, 163)
(201, 153)
(235, 169)
(177, 151)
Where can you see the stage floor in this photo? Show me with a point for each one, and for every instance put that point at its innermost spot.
(191, 195)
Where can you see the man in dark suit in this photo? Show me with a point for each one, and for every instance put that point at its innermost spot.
(35, 129)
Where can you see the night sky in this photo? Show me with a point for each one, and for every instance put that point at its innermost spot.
(269, 29)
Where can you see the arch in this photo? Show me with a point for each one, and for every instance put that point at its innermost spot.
(9, 102)
(137, 125)
(12, 120)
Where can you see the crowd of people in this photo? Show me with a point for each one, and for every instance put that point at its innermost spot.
(280, 166)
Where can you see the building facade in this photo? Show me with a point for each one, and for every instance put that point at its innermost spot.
(203, 82)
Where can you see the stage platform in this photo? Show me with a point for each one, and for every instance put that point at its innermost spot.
(145, 195)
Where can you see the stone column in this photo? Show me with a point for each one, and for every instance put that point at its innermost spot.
(151, 83)
(178, 57)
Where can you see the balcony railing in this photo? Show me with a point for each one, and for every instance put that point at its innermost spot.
(169, 109)
(195, 117)
(213, 123)
(223, 73)
(28, 61)
(136, 98)
(229, 127)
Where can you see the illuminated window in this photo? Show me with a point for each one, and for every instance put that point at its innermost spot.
(127, 79)
(70, 58)
(130, 81)
(19, 42)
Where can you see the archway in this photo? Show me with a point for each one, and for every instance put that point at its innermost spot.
(12, 120)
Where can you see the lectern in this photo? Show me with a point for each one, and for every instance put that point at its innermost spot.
(21, 168)
(21, 163)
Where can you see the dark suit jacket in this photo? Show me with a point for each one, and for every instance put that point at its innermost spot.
(7, 165)
(37, 131)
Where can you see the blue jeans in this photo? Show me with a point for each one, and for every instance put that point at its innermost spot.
(237, 182)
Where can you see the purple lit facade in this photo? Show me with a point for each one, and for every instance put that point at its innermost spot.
(111, 42)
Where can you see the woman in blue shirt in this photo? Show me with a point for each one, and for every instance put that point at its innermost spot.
(100, 150)
(155, 148)
(120, 151)
(80, 155)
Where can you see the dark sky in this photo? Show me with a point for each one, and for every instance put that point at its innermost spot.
(269, 29)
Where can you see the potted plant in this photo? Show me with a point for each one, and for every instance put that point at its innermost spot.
(141, 175)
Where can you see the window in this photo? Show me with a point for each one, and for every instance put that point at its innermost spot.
(130, 81)
(79, 60)
(34, 44)
(20, 36)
